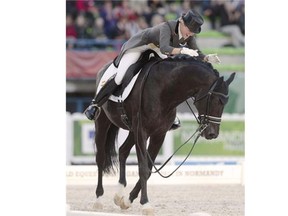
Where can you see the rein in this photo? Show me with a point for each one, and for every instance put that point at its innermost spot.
(200, 129)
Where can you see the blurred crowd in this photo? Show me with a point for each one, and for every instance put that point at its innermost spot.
(109, 19)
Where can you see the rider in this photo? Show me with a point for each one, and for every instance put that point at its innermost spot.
(168, 38)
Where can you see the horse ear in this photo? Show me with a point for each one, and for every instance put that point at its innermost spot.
(230, 79)
(220, 81)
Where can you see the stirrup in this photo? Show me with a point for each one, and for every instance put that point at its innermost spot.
(91, 110)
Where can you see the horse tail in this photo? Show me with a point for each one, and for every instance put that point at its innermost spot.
(111, 159)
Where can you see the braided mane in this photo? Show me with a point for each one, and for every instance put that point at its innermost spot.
(193, 60)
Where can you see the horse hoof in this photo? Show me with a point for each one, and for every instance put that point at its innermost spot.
(147, 209)
(117, 199)
(125, 203)
(98, 204)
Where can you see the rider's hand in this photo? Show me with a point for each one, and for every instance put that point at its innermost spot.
(188, 51)
(212, 58)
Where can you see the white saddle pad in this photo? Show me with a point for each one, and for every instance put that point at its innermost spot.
(109, 73)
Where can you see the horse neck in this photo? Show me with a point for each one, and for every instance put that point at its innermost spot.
(185, 81)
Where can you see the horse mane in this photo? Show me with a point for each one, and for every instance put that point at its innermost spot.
(193, 60)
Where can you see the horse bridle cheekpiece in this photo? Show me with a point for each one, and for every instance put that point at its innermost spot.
(204, 119)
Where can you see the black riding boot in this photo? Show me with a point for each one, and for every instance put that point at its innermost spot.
(176, 124)
(103, 95)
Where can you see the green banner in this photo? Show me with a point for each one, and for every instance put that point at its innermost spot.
(83, 138)
(230, 141)
(236, 103)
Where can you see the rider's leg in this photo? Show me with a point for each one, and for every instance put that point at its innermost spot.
(101, 96)
(130, 57)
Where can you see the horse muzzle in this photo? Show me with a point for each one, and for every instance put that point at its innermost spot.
(209, 126)
(210, 132)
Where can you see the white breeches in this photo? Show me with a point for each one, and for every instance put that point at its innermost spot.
(129, 58)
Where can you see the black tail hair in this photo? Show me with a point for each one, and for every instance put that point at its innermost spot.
(111, 159)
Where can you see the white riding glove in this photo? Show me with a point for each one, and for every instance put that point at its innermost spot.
(212, 58)
(190, 52)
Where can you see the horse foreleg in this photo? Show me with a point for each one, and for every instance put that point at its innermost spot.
(143, 170)
(124, 152)
(144, 174)
(153, 150)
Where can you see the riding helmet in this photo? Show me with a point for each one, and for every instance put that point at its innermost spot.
(193, 21)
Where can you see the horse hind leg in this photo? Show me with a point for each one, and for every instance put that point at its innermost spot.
(124, 152)
(143, 174)
(104, 129)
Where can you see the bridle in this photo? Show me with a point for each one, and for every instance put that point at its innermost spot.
(204, 119)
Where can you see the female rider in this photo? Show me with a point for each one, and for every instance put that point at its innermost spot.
(168, 38)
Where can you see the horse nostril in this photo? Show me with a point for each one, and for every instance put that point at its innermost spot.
(212, 136)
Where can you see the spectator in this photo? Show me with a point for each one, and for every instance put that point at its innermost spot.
(98, 27)
(83, 6)
(126, 20)
(122, 29)
(119, 19)
(240, 8)
(81, 26)
(157, 19)
(110, 21)
(141, 22)
(124, 10)
(133, 27)
(155, 7)
(71, 9)
(71, 32)
(70, 27)
(207, 8)
(229, 21)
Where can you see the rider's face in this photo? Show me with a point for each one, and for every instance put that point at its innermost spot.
(185, 31)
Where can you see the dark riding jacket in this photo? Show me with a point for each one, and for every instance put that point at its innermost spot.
(165, 36)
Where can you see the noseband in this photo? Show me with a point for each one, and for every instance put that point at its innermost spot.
(204, 119)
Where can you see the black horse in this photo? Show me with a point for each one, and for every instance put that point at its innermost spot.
(151, 110)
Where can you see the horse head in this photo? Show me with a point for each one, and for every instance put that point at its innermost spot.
(210, 105)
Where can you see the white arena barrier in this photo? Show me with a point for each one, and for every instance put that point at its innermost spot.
(186, 174)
